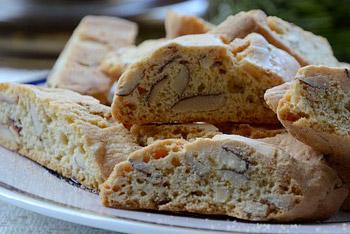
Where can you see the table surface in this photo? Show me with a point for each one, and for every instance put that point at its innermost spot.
(17, 220)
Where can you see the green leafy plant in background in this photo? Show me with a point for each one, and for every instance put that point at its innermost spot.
(328, 18)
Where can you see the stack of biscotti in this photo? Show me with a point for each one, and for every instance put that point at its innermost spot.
(315, 109)
(220, 78)
(165, 147)
(77, 68)
(71, 134)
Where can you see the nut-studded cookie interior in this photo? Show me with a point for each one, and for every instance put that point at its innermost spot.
(71, 134)
(319, 98)
(233, 176)
(199, 78)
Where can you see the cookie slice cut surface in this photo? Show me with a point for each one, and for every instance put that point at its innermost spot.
(71, 134)
(315, 109)
(226, 175)
(198, 78)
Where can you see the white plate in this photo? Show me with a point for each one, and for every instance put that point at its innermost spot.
(28, 185)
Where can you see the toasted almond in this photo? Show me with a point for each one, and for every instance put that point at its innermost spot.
(200, 103)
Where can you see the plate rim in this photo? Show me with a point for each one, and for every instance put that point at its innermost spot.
(35, 203)
(57, 210)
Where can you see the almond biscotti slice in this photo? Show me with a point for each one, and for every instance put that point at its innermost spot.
(305, 46)
(227, 175)
(315, 109)
(254, 131)
(71, 134)
(77, 68)
(198, 78)
(147, 134)
(178, 25)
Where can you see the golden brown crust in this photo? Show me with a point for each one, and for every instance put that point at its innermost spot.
(71, 134)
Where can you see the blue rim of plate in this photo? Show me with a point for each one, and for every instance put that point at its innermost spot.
(40, 81)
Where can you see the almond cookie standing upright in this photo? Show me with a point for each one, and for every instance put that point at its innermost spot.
(305, 46)
(64, 131)
(77, 68)
(227, 175)
(315, 109)
(198, 78)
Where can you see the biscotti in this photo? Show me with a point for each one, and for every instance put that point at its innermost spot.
(77, 68)
(198, 78)
(305, 46)
(178, 25)
(147, 134)
(227, 175)
(254, 131)
(315, 109)
(71, 134)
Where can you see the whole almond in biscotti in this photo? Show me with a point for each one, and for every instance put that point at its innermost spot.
(64, 131)
(77, 67)
(305, 46)
(198, 78)
(178, 25)
(227, 175)
(147, 134)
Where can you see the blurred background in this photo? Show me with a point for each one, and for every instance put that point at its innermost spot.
(33, 32)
